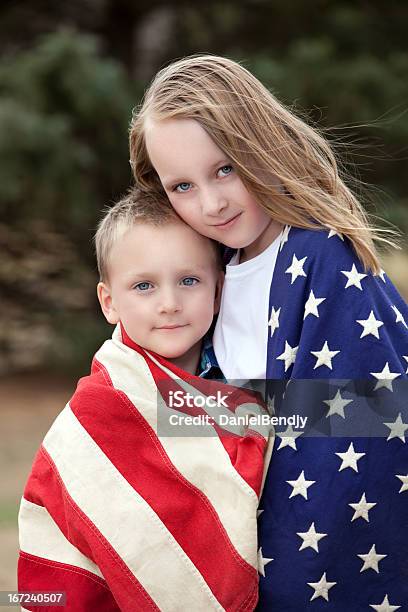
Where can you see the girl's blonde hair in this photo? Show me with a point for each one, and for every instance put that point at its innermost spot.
(269, 146)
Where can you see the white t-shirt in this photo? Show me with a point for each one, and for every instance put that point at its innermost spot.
(241, 333)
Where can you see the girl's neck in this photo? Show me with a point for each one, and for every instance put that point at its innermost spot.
(272, 230)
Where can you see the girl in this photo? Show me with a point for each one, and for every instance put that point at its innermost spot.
(304, 298)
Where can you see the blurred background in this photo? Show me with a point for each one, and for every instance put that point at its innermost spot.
(70, 74)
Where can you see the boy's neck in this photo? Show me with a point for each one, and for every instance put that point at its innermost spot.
(190, 360)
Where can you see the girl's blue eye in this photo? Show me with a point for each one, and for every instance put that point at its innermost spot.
(189, 281)
(225, 170)
(182, 187)
(144, 286)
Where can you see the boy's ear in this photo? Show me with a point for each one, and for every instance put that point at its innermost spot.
(105, 299)
(218, 292)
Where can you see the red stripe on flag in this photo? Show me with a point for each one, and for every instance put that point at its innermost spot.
(84, 591)
(45, 488)
(134, 449)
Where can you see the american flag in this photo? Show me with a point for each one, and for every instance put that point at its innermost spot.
(333, 518)
(119, 518)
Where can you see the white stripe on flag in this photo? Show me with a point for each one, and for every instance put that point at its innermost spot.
(211, 471)
(40, 536)
(251, 409)
(126, 520)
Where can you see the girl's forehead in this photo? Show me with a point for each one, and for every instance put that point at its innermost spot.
(177, 129)
(173, 144)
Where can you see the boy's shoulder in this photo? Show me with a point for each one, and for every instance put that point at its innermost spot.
(80, 416)
(101, 399)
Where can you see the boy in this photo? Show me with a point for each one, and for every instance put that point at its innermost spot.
(167, 302)
(113, 516)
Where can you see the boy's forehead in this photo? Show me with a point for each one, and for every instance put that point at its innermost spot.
(174, 242)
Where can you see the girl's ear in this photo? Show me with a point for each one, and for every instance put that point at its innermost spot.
(105, 299)
(218, 292)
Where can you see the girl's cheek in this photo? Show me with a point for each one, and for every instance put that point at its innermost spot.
(186, 212)
(178, 207)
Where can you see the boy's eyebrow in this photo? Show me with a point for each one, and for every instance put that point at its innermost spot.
(191, 269)
(168, 181)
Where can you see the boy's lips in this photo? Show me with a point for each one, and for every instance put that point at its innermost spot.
(171, 326)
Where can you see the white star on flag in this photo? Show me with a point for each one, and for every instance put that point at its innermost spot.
(399, 317)
(406, 359)
(385, 378)
(324, 356)
(288, 355)
(362, 508)
(334, 233)
(321, 588)
(284, 237)
(404, 480)
(300, 486)
(337, 404)
(288, 437)
(381, 274)
(385, 606)
(311, 538)
(274, 320)
(397, 429)
(350, 458)
(371, 560)
(354, 277)
(262, 561)
(271, 405)
(296, 268)
(312, 304)
(370, 325)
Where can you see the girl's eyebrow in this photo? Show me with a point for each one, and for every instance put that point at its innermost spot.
(170, 182)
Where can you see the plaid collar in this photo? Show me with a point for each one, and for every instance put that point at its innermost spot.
(209, 367)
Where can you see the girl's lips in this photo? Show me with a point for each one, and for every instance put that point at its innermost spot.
(229, 223)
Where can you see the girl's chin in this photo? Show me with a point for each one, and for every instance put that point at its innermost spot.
(235, 244)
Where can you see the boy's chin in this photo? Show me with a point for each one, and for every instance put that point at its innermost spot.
(172, 354)
(174, 350)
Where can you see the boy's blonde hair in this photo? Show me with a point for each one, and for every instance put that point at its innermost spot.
(264, 140)
(136, 207)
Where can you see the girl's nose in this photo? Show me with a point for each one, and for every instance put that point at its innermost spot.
(213, 203)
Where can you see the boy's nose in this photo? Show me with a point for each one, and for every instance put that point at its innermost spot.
(169, 302)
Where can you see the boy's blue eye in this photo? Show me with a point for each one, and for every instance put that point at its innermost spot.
(225, 170)
(144, 286)
(189, 281)
(182, 187)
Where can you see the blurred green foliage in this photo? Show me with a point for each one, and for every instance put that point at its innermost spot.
(64, 114)
(69, 77)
